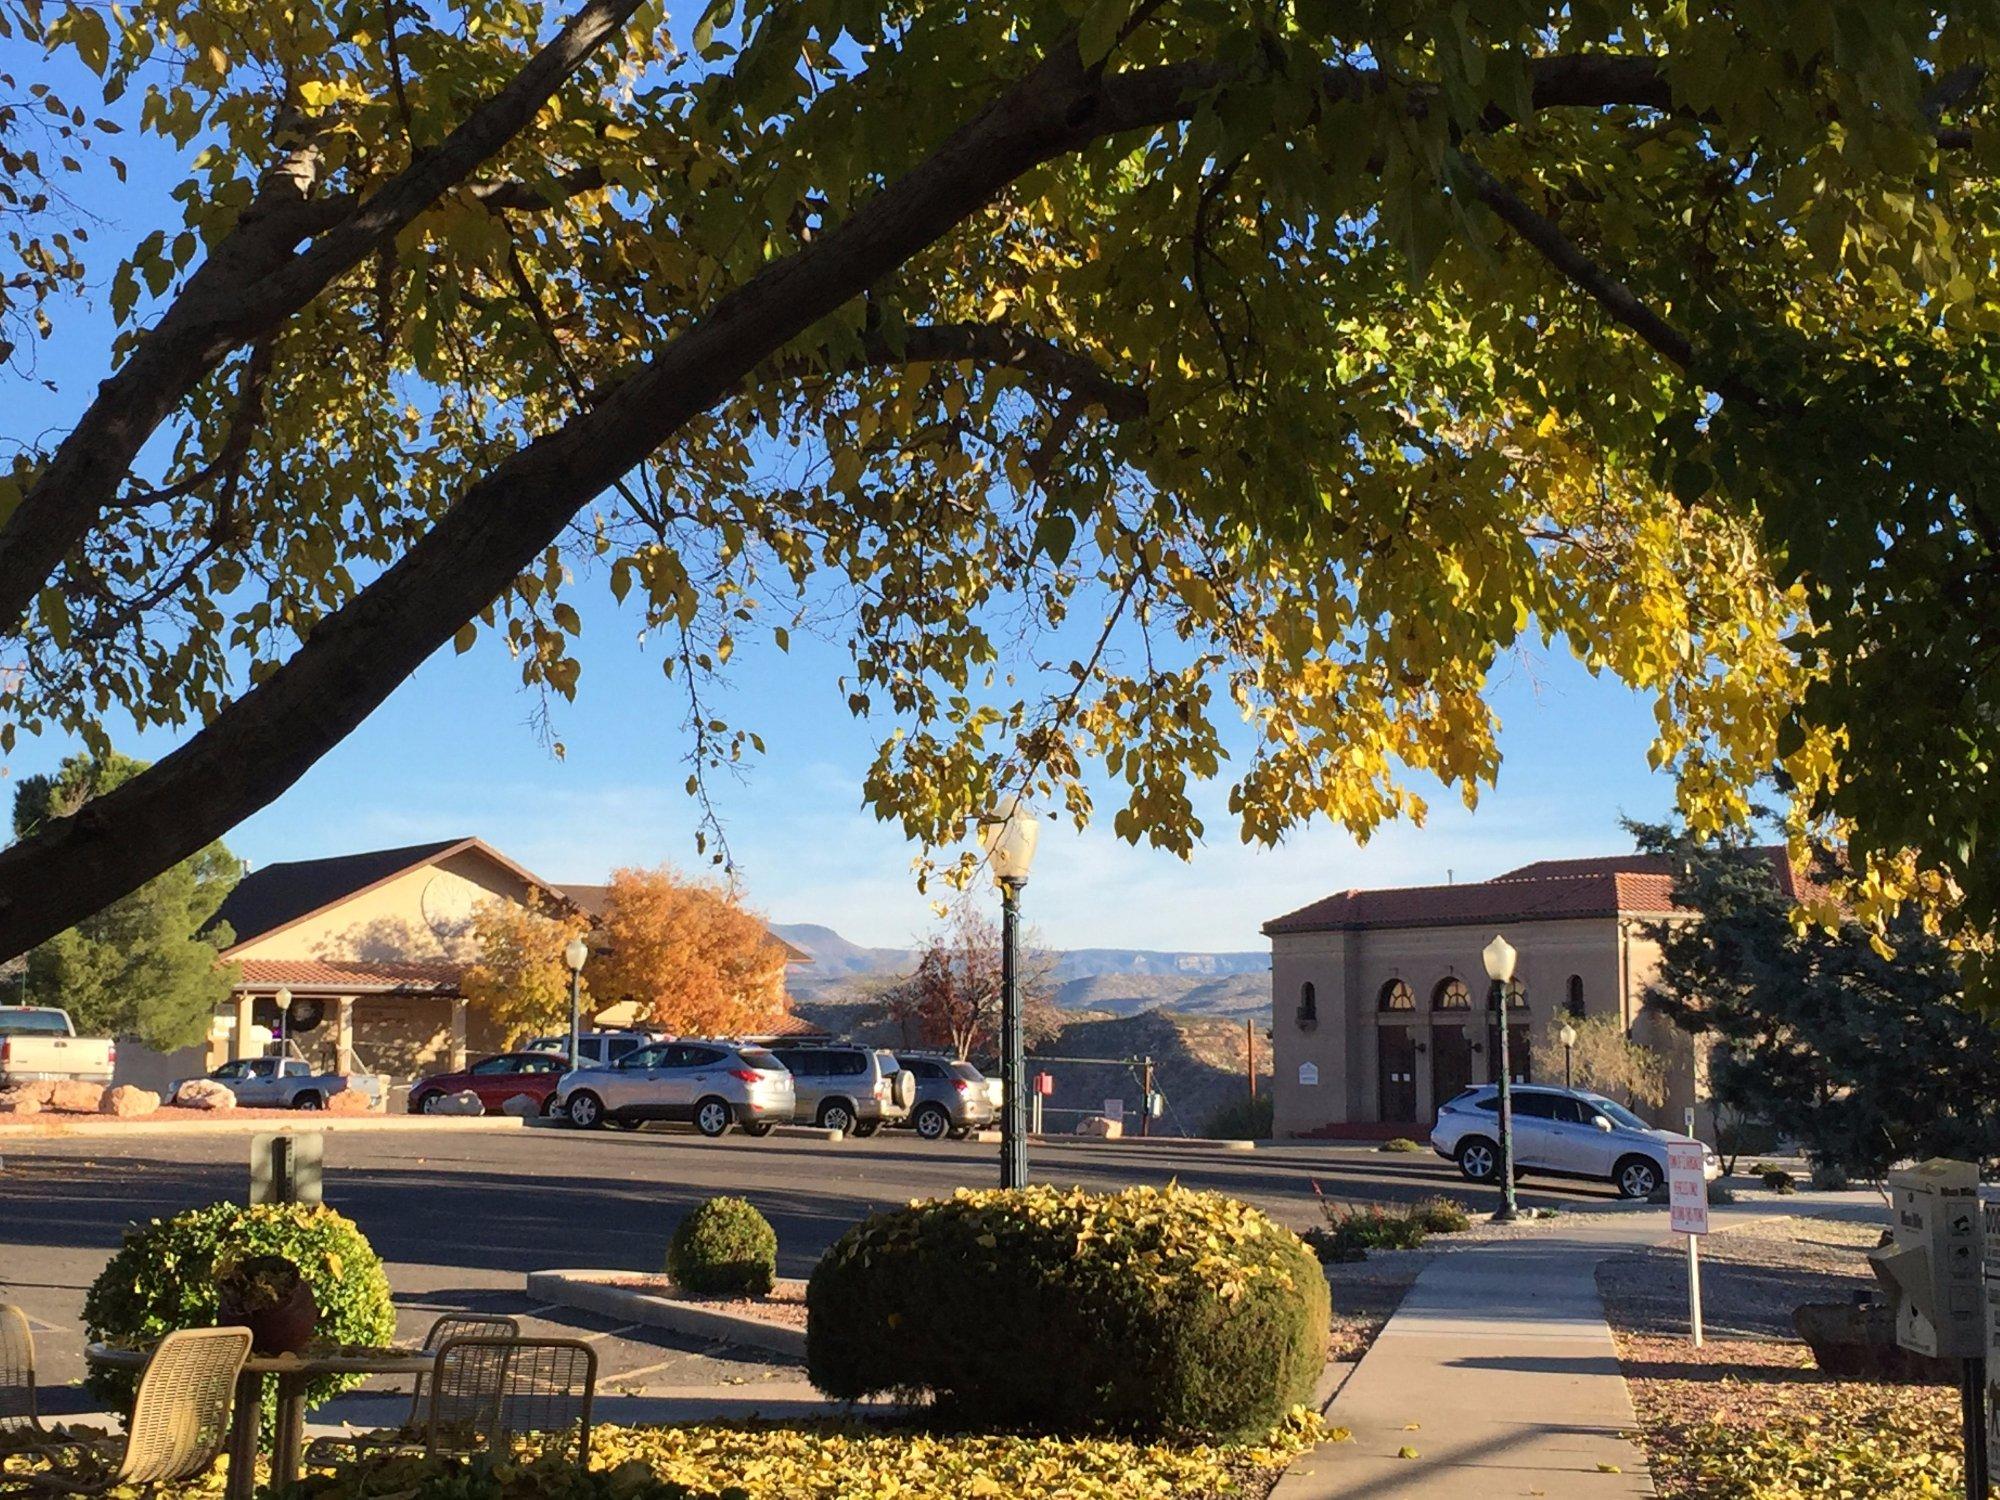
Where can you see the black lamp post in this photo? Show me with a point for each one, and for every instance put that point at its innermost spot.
(575, 955)
(1009, 833)
(1499, 958)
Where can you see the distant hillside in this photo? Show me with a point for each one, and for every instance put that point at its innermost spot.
(1122, 981)
(1198, 1064)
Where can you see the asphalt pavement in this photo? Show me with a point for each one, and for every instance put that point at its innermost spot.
(461, 1219)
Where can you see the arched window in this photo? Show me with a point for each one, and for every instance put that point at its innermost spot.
(1574, 998)
(1308, 1002)
(1451, 994)
(1395, 995)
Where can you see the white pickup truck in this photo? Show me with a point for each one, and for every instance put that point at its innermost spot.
(38, 1044)
(285, 1083)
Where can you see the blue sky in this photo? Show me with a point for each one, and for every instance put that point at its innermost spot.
(453, 752)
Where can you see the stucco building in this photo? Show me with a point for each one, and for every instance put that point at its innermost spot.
(1379, 999)
(371, 948)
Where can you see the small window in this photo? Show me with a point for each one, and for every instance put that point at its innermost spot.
(1573, 997)
(1569, 1112)
(618, 1046)
(494, 1065)
(640, 1058)
(538, 1065)
(1308, 1002)
(758, 1058)
(1395, 995)
(1451, 994)
(1535, 1106)
(848, 1064)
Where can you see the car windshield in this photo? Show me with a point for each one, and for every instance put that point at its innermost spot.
(33, 1023)
(1619, 1114)
(758, 1058)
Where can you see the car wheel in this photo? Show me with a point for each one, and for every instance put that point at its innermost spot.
(836, 1115)
(712, 1118)
(1637, 1177)
(760, 1128)
(430, 1104)
(1478, 1159)
(310, 1099)
(932, 1122)
(550, 1107)
(586, 1110)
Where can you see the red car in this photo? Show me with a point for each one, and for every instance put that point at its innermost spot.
(495, 1080)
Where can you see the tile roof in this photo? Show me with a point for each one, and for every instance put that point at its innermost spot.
(1548, 890)
(785, 1025)
(352, 975)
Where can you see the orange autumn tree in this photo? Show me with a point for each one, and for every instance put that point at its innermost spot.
(687, 953)
(520, 979)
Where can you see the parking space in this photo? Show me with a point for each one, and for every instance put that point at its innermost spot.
(460, 1219)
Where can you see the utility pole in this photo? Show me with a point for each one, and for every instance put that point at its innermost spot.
(1146, 1096)
(1250, 1050)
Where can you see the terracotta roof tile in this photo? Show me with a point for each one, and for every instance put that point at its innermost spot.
(418, 977)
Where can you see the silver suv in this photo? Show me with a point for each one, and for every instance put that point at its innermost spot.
(854, 1089)
(711, 1083)
(952, 1097)
(1558, 1133)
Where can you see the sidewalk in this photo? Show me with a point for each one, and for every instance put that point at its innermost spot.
(1499, 1373)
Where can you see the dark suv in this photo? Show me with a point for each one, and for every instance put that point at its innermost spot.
(853, 1089)
(952, 1097)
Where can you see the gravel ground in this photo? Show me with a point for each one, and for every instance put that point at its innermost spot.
(1751, 1371)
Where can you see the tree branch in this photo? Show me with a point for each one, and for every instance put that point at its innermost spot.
(250, 284)
(995, 344)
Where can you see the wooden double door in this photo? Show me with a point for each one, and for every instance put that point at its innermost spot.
(1451, 1064)
(1396, 1074)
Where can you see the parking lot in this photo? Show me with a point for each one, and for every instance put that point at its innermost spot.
(461, 1217)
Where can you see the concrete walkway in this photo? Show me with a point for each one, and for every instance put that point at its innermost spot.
(1499, 1374)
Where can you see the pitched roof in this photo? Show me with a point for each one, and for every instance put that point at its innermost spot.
(276, 896)
(1548, 890)
(354, 976)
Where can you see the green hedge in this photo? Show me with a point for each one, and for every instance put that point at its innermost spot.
(163, 1279)
(1155, 1311)
(725, 1247)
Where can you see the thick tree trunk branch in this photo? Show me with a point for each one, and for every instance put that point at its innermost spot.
(246, 289)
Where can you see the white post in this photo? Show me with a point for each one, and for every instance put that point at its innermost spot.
(1694, 1287)
(343, 1034)
(457, 1035)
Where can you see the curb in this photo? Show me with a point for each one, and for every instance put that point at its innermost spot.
(797, 1132)
(1156, 1142)
(36, 1127)
(588, 1292)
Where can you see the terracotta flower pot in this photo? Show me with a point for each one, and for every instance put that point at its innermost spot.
(284, 1329)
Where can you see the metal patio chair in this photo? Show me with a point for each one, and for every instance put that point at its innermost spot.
(412, 1431)
(17, 1372)
(488, 1393)
(179, 1422)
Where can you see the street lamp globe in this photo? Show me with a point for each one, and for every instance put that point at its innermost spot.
(1567, 1036)
(1499, 958)
(575, 954)
(1008, 832)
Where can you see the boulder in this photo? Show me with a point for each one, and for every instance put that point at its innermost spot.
(41, 1090)
(128, 1102)
(1099, 1125)
(77, 1098)
(522, 1106)
(20, 1102)
(465, 1102)
(350, 1102)
(204, 1093)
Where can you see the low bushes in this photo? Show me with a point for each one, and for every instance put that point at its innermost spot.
(1442, 1215)
(1352, 1230)
(1149, 1311)
(163, 1278)
(1245, 1120)
(724, 1248)
(1778, 1180)
(1401, 1143)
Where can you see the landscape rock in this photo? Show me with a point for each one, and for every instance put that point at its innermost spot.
(465, 1102)
(77, 1098)
(1858, 1342)
(1099, 1125)
(349, 1102)
(128, 1102)
(20, 1102)
(41, 1090)
(522, 1106)
(204, 1093)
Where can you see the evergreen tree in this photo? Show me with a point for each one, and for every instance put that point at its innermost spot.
(1864, 1058)
(140, 967)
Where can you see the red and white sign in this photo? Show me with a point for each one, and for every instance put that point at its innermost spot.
(1687, 1187)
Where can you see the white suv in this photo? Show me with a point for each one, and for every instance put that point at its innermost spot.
(1558, 1133)
(595, 1049)
(714, 1084)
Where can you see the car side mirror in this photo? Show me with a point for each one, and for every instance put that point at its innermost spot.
(1601, 1123)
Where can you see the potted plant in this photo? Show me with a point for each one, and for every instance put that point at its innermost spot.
(268, 1295)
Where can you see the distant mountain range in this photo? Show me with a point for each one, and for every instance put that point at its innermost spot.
(1113, 981)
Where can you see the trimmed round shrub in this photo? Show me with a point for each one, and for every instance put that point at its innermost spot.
(725, 1247)
(1149, 1311)
(163, 1279)
(1441, 1215)
(1401, 1143)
